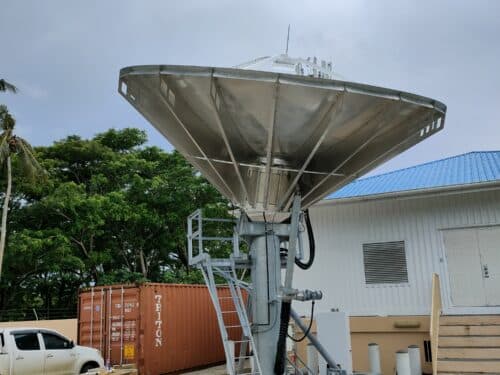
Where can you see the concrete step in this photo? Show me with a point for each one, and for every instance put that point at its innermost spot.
(460, 366)
(469, 320)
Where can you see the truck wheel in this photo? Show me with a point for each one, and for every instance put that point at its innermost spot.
(88, 366)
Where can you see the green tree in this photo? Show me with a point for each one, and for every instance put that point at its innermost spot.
(6, 86)
(12, 145)
(111, 210)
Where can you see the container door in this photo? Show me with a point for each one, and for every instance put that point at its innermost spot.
(489, 247)
(91, 329)
(123, 325)
(464, 267)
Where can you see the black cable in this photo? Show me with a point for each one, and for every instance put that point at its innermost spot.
(312, 245)
(308, 328)
(279, 363)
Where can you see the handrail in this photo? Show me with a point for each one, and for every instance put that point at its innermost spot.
(436, 307)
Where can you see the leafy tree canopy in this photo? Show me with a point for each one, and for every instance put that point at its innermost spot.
(112, 210)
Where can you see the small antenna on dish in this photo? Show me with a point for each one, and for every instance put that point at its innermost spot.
(287, 40)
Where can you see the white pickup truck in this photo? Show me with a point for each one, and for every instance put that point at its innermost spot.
(29, 351)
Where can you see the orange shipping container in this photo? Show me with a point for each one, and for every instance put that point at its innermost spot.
(162, 328)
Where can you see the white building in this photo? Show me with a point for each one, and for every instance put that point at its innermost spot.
(380, 239)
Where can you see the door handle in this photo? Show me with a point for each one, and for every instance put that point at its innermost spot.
(19, 357)
(49, 356)
(486, 271)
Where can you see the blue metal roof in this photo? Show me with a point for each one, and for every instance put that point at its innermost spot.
(470, 168)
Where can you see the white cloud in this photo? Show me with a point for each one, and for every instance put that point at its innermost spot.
(67, 55)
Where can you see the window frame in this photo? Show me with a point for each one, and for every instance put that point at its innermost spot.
(70, 343)
(27, 332)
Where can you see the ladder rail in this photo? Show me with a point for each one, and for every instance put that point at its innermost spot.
(209, 280)
(235, 363)
(243, 310)
(229, 317)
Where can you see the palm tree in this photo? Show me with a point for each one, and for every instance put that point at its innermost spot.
(6, 86)
(12, 145)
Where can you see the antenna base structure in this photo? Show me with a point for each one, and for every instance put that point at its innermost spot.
(260, 316)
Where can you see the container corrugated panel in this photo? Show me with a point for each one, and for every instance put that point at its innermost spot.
(162, 328)
(91, 318)
(123, 317)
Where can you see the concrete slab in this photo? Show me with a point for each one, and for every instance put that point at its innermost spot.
(218, 370)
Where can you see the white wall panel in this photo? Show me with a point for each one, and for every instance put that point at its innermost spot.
(342, 228)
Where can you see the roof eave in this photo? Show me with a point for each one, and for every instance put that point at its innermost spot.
(449, 189)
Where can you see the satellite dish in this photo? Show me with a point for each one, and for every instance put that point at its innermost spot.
(260, 137)
(274, 142)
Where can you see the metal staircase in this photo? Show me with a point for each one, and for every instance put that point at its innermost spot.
(232, 309)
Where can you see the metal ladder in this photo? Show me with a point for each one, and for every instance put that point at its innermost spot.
(227, 270)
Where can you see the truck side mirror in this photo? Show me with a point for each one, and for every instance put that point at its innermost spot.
(71, 344)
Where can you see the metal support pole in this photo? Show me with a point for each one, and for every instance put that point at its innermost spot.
(266, 305)
(292, 245)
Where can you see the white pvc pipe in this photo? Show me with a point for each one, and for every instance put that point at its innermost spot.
(312, 359)
(230, 367)
(403, 362)
(374, 358)
(415, 361)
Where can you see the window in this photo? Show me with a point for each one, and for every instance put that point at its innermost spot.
(385, 263)
(27, 341)
(55, 342)
(427, 351)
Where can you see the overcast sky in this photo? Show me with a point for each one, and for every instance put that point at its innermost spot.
(65, 57)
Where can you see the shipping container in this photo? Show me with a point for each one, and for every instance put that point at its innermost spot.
(162, 328)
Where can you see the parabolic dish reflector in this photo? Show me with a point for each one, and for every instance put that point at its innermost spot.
(259, 137)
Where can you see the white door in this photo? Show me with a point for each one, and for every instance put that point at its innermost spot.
(464, 267)
(489, 248)
(60, 355)
(28, 357)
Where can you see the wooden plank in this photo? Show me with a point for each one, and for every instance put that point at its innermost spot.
(470, 366)
(469, 331)
(469, 320)
(436, 309)
(469, 353)
(469, 341)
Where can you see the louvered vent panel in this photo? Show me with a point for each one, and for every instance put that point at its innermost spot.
(385, 263)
